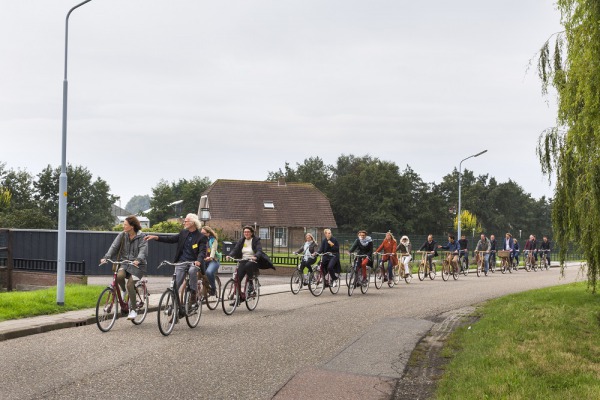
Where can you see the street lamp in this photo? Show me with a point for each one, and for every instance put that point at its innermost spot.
(459, 175)
(204, 215)
(62, 181)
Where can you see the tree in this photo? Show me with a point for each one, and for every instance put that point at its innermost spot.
(88, 202)
(138, 203)
(468, 222)
(165, 193)
(568, 61)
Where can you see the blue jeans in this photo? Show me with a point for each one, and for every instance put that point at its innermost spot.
(211, 270)
(486, 257)
(390, 268)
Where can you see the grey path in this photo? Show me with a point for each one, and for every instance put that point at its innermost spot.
(290, 347)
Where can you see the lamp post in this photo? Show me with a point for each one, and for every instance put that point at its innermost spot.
(62, 181)
(459, 176)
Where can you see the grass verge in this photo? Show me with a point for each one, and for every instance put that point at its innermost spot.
(540, 344)
(15, 305)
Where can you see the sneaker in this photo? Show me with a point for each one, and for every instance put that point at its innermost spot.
(193, 297)
(334, 283)
(212, 292)
(385, 279)
(132, 315)
(250, 288)
(365, 282)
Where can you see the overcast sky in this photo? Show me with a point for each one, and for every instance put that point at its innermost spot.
(235, 88)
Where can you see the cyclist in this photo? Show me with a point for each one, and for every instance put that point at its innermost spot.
(191, 246)
(129, 245)
(213, 257)
(464, 249)
(493, 250)
(430, 246)
(509, 245)
(545, 245)
(454, 248)
(307, 250)
(405, 249)
(364, 247)
(329, 244)
(484, 245)
(388, 245)
(531, 245)
(250, 250)
(515, 252)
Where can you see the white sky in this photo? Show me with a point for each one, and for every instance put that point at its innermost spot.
(234, 89)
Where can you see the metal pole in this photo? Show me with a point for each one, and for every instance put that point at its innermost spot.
(62, 181)
(459, 178)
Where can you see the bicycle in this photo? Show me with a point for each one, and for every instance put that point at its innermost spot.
(505, 261)
(480, 259)
(447, 267)
(299, 279)
(492, 264)
(319, 279)
(211, 300)
(355, 279)
(231, 291)
(424, 266)
(463, 262)
(400, 273)
(544, 263)
(530, 261)
(381, 273)
(170, 308)
(107, 306)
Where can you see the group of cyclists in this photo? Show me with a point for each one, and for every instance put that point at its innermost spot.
(197, 245)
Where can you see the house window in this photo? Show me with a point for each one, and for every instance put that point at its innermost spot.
(269, 204)
(263, 233)
(280, 237)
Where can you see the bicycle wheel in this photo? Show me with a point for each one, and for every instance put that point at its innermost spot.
(193, 311)
(296, 281)
(379, 273)
(464, 266)
(504, 267)
(252, 297)
(445, 271)
(421, 272)
(348, 271)
(107, 308)
(455, 272)
(479, 268)
(408, 277)
(316, 283)
(364, 288)
(433, 271)
(141, 303)
(212, 302)
(167, 310)
(492, 266)
(351, 282)
(230, 297)
(334, 286)
(396, 276)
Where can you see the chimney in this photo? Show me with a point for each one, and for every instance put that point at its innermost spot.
(281, 181)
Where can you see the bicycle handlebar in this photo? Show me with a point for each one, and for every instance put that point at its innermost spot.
(165, 262)
(241, 259)
(126, 262)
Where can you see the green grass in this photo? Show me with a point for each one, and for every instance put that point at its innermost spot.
(542, 344)
(15, 305)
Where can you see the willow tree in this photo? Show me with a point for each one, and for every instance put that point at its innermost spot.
(570, 62)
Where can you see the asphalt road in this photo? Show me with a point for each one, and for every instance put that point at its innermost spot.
(289, 347)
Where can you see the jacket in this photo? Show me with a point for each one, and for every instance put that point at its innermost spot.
(453, 247)
(388, 246)
(263, 261)
(326, 248)
(198, 247)
(312, 248)
(130, 249)
(531, 245)
(430, 247)
(483, 246)
(364, 247)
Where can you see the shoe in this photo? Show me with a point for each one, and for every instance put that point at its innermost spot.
(132, 315)
(211, 292)
(250, 288)
(385, 279)
(365, 282)
(193, 297)
(334, 283)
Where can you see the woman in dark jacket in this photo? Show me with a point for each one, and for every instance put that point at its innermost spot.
(249, 249)
(329, 244)
(364, 247)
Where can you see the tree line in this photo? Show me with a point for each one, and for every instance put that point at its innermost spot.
(368, 193)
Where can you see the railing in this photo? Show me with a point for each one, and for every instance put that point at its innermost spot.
(23, 264)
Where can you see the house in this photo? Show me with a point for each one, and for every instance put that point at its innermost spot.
(144, 221)
(281, 213)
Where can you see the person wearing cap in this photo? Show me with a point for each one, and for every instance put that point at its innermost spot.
(388, 245)
(405, 249)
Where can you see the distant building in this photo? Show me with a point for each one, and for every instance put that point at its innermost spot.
(280, 212)
(119, 214)
(144, 221)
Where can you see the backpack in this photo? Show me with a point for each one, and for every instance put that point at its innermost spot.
(218, 255)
